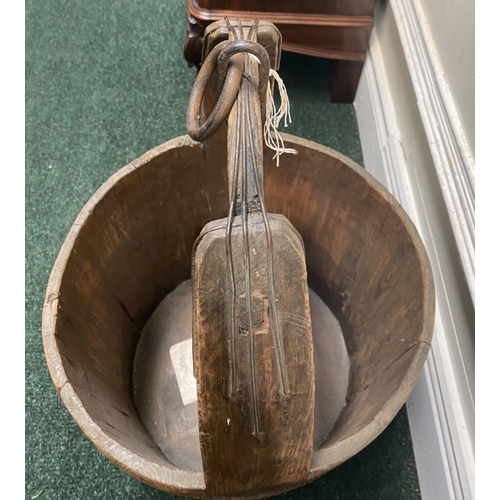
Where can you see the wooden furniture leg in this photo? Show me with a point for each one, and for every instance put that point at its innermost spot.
(345, 79)
(194, 41)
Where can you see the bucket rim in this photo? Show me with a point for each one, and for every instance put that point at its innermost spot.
(168, 477)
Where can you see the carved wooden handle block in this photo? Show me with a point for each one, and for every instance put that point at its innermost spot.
(253, 347)
(253, 434)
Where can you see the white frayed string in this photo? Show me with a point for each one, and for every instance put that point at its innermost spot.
(272, 137)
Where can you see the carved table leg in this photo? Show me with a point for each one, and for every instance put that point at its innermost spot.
(345, 79)
(194, 41)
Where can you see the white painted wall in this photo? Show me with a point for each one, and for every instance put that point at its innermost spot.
(451, 25)
(441, 119)
(408, 122)
(423, 176)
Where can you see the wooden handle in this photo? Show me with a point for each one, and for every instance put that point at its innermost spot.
(244, 141)
(252, 337)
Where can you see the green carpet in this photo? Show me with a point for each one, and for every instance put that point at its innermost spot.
(105, 82)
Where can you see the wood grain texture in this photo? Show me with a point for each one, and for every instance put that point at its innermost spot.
(334, 30)
(236, 457)
(324, 40)
(332, 7)
(132, 243)
(252, 339)
(334, 37)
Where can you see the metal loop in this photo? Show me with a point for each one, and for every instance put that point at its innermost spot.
(226, 99)
(247, 46)
(226, 56)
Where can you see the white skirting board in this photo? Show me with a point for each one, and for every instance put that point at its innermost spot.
(441, 407)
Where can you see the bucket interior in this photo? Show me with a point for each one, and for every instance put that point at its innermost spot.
(165, 388)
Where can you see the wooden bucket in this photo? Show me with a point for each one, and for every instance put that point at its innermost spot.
(131, 245)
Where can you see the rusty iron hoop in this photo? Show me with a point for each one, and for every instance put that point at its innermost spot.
(228, 57)
(226, 99)
(254, 48)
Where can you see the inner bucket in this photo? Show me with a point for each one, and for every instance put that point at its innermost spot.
(131, 246)
(165, 387)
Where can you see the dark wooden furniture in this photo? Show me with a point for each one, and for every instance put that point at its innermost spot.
(337, 29)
